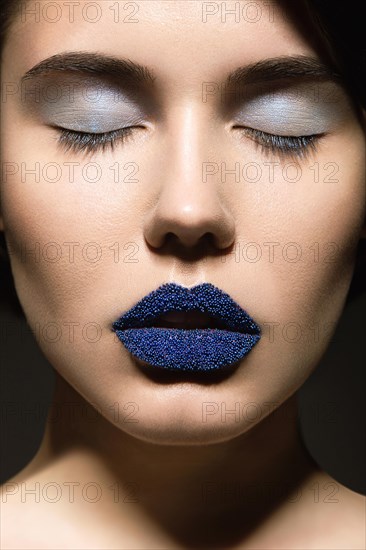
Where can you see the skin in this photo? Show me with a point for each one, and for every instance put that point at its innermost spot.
(171, 455)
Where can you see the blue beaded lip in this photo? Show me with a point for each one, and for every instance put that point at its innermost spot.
(182, 349)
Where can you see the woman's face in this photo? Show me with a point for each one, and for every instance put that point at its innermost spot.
(198, 191)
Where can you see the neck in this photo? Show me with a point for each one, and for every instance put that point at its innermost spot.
(185, 485)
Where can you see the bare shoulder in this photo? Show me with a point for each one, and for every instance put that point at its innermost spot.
(19, 498)
(58, 505)
(351, 518)
(27, 517)
(321, 513)
(338, 512)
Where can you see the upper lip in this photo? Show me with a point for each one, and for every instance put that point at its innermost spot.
(206, 298)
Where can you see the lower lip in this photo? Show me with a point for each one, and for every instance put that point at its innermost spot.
(193, 350)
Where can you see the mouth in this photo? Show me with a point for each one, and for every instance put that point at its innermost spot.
(188, 320)
(199, 329)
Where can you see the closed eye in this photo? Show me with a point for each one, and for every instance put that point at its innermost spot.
(295, 146)
(76, 141)
(72, 140)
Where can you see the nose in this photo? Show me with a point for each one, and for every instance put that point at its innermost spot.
(186, 207)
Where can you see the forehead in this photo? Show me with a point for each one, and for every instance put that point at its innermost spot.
(173, 37)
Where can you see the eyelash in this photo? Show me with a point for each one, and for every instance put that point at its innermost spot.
(298, 146)
(295, 146)
(71, 140)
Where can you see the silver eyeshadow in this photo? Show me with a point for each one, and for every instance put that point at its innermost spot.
(299, 111)
(92, 108)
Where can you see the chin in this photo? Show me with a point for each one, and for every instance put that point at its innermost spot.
(183, 415)
(177, 432)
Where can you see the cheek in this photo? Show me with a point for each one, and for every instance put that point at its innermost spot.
(308, 231)
(69, 223)
(65, 246)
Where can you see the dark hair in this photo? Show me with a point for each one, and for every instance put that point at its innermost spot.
(341, 27)
(341, 24)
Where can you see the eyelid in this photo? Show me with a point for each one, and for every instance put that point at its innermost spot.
(285, 121)
(75, 141)
(94, 122)
(95, 108)
(296, 147)
(87, 129)
(289, 112)
(71, 90)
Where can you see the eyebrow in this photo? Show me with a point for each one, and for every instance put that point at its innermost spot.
(100, 65)
(282, 68)
(94, 64)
